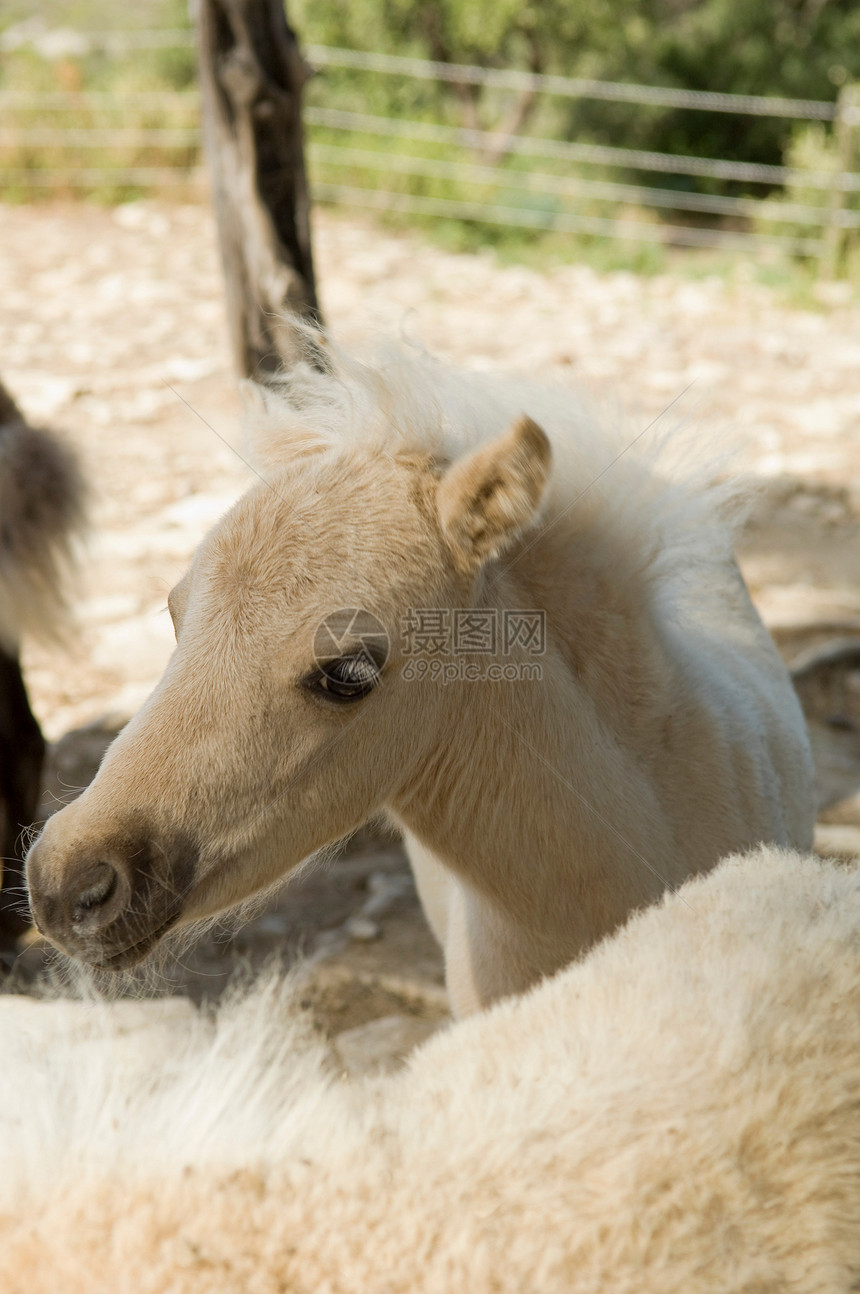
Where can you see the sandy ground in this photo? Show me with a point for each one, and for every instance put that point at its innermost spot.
(112, 330)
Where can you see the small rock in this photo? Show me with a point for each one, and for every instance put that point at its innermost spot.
(836, 841)
(385, 891)
(363, 929)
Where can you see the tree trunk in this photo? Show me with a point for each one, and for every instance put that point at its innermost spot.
(251, 77)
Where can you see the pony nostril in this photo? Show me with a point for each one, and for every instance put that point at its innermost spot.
(103, 881)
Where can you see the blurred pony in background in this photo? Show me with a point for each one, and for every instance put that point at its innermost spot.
(41, 511)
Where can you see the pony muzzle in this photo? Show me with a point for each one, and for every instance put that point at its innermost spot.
(104, 906)
(76, 904)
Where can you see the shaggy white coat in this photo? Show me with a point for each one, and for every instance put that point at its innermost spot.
(679, 1113)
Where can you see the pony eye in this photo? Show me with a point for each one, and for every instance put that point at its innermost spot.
(349, 678)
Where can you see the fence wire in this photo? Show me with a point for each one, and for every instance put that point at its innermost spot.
(637, 231)
(564, 150)
(537, 182)
(349, 160)
(72, 41)
(572, 87)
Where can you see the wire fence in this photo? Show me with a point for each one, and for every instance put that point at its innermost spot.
(564, 150)
(573, 87)
(116, 140)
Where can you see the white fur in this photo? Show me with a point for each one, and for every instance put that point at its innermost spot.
(677, 1114)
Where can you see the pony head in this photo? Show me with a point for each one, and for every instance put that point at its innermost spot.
(283, 720)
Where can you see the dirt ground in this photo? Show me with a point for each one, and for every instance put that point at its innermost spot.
(112, 331)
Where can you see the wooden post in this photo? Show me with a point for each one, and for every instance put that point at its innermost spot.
(251, 79)
(846, 128)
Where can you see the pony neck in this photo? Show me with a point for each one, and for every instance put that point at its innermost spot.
(536, 794)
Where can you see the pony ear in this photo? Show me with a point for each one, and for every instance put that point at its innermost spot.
(271, 435)
(489, 497)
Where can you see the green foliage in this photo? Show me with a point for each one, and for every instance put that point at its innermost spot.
(791, 48)
(31, 170)
(759, 47)
(812, 149)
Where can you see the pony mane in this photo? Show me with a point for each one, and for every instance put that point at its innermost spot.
(664, 491)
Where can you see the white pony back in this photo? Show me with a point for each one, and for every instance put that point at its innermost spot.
(678, 1113)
